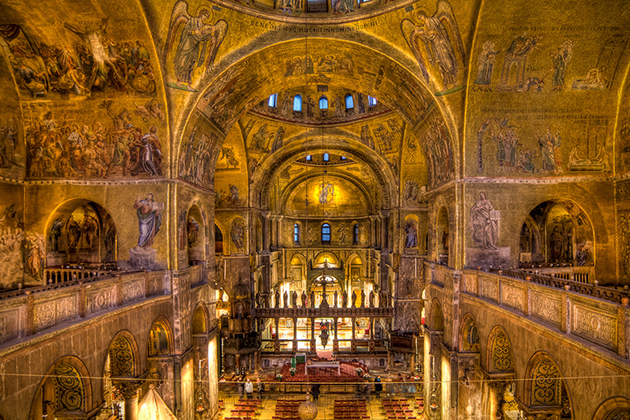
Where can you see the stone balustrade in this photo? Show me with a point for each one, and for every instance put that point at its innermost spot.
(578, 274)
(588, 312)
(63, 275)
(330, 312)
(29, 311)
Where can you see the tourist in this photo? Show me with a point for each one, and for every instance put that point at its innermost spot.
(315, 392)
(249, 389)
(261, 388)
(378, 386)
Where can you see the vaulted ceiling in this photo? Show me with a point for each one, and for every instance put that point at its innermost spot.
(464, 89)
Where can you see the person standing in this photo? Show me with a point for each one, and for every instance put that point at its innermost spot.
(378, 386)
(261, 388)
(249, 389)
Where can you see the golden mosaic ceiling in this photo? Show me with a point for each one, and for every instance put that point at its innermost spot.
(474, 89)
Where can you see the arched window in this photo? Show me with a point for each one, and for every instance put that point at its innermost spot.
(325, 234)
(342, 158)
(296, 234)
(355, 234)
(309, 158)
(218, 240)
(297, 103)
(349, 102)
(371, 101)
(326, 157)
(273, 100)
(323, 103)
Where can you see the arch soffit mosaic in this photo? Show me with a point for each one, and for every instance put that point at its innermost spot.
(500, 354)
(124, 355)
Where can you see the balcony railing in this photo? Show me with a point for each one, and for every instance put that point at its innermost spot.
(29, 311)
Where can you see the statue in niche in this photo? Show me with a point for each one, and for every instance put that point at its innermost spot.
(193, 231)
(344, 299)
(335, 299)
(55, 233)
(312, 299)
(277, 296)
(149, 219)
(285, 299)
(354, 299)
(74, 233)
(89, 229)
(411, 235)
(303, 299)
(110, 240)
(555, 244)
(363, 298)
(294, 298)
(371, 299)
(485, 223)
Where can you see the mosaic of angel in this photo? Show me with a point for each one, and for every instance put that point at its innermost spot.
(198, 42)
(436, 42)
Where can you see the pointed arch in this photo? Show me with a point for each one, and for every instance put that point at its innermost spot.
(615, 408)
(123, 355)
(65, 387)
(469, 335)
(200, 319)
(500, 356)
(437, 316)
(545, 385)
(160, 341)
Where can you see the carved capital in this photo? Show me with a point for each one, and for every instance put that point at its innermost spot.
(129, 389)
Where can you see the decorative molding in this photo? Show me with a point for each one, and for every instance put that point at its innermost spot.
(513, 297)
(489, 288)
(595, 326)
(546, 308)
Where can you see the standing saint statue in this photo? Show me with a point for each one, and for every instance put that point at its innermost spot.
(484, 221)
(149, 219)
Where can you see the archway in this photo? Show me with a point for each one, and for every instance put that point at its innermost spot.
(200, 320)
(65, 390)
(557, 232)
(160, 342)
(615, 408)
(500, 373)
(82, 232)
(469, 335)
(121, 362)
(499, 354)
(545, 389)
